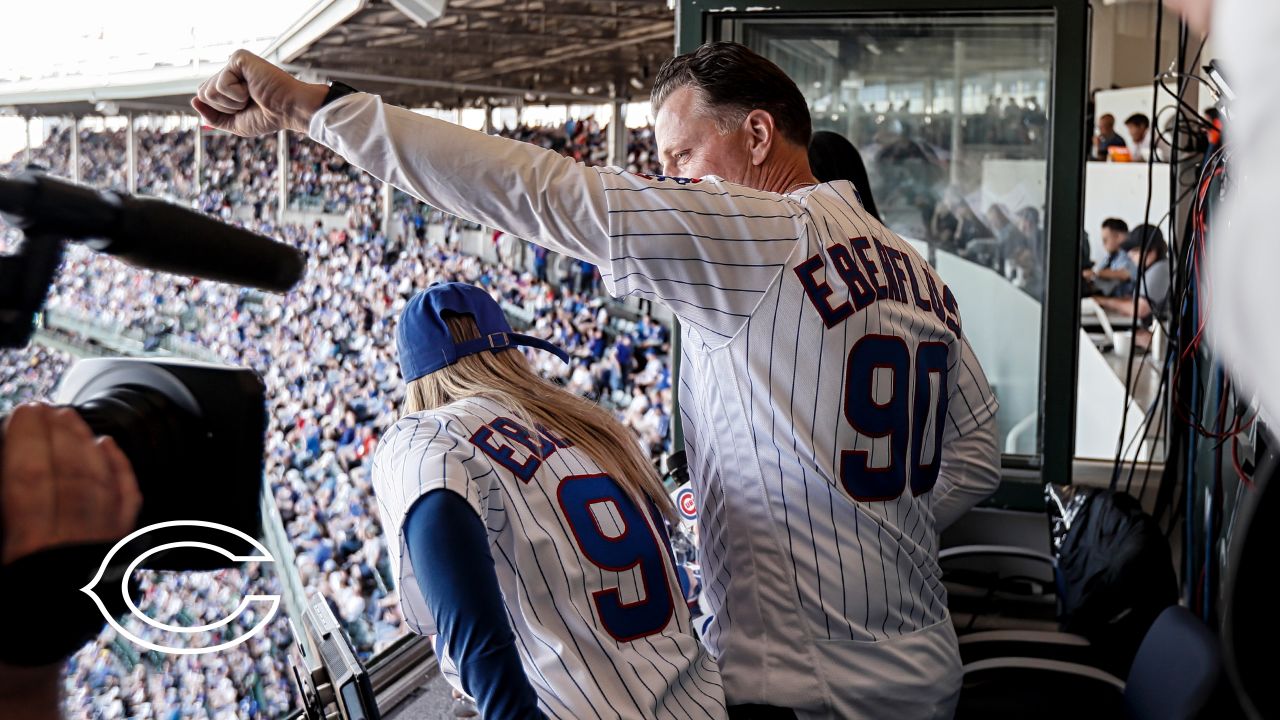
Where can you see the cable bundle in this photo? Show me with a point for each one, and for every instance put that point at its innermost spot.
(1203, 407)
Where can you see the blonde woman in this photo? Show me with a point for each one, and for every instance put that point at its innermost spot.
(527, 531)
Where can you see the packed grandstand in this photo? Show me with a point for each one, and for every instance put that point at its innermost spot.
(326, 353)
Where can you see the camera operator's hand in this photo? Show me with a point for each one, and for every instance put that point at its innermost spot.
(251, 97)
(59, 484)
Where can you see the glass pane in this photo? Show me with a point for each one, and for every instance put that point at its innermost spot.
(950, 115)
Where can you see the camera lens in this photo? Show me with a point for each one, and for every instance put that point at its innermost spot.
(194, 434)
(154, 433)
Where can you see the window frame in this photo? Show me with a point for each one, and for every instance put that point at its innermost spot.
(699, 21)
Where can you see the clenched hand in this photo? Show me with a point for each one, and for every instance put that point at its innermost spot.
(250, 97)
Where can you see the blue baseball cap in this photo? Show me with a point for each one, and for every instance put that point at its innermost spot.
(423, 339)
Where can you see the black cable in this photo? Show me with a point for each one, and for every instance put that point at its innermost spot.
(1213, 164)
(1146, 475)
(1156, 413)
(1188, 362)
(1180, 122)
(1146, 239)
(1182, 271)
(1144, 429)
(1184, 179)
(1192, 115)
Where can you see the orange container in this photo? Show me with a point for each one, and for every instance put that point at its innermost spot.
(1118, 154)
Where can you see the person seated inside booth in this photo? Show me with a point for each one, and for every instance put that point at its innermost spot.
(1142, 146)
(1152, 286)
(1107, 137)
(1115, 275)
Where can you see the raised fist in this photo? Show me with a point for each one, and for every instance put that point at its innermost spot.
(251, 97)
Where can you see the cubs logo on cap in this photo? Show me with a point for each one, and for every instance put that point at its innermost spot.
(425, 344)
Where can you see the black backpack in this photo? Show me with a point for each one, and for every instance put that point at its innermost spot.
(1115, 576)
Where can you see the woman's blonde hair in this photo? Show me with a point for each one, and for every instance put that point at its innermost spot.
(506, 378)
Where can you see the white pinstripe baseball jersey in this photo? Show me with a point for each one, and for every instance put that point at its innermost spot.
(835, 416)
(587, 576)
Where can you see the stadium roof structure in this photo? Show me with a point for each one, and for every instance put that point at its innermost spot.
(160, 83)
(474, 53)
(481, 52)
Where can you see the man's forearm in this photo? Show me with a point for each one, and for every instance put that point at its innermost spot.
(970, 473)
(523, 190)
(1120, 306)
(1114, 275)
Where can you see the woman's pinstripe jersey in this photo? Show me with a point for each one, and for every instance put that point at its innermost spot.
(587, 577)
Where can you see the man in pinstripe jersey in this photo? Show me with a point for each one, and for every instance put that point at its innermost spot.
(836, 417)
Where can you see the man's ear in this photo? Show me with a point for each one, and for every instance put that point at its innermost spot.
(761, 134)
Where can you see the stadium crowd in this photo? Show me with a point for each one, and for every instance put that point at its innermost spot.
(587, 142)
(908, 159)
(112, 678)
(1009, 122)
(242, 171)
(29, 373)
(326, 353)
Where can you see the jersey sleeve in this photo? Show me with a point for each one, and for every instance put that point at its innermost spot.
(971, 402)
(706, 248)
(969, 473)
(970, 455)
(516, 187)
(418, 455)
(449, 551)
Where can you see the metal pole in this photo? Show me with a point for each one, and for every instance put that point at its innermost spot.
(131, 157)
(829, 77)
(198, 171)
(282, 175)
(402, 80)
(855, 113)
(677, 424)
(618, 135)
(26, 150)
(74, 173)
(488, 119)
(387, 194)
(955, 116)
